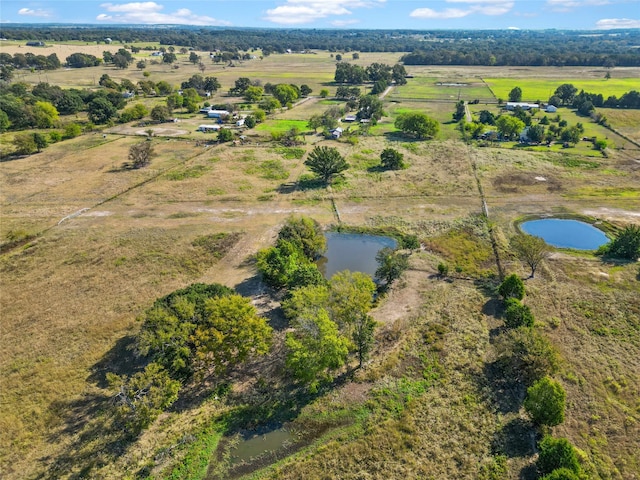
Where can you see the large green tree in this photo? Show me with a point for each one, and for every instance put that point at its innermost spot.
(566, 93)
(100, 110)
(509, 126)
(418, 125)
(285, 93)
(315, 349)
(525, 355)
(230, 332)
(370, 108)
(391, 159)
(391, 265)
(326, 163)
(515, 95)
(350, 300)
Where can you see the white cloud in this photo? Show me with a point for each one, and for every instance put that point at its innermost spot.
(307, 11)
(568, 5)
(34, 12)
(151, 13)
(344, 23)
(608, 23)
(482, 7)
(443, 14)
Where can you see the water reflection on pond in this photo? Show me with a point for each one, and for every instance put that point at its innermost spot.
(565, 233)
(352, 251)
(261, 445)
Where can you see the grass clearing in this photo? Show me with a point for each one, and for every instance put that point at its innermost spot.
(425, 406)
(534, 89)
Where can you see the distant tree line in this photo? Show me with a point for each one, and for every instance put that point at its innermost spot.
(461, 47)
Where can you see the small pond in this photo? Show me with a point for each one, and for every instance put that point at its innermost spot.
(565, 233)
(352, 251)
(268, 444)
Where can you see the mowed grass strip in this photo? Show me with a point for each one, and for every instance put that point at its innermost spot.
(281, 126)
(542, 89)
(442, 89)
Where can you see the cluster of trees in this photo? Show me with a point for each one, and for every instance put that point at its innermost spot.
(525, 351)
(202, 329)
(201, 84)
(584, 102)
(281, 94)
(327, 120)
(330, 318)
(461, 47)
(380, 74)
(509, 126)
(26, 60)
(41, 106)
(121, 59)
(290, 263)
(82, 60)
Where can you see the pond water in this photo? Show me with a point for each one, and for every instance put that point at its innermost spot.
(564, 233)
(352, 251)
(262, 445)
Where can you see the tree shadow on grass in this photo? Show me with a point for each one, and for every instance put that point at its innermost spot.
(517, 439)
(121, 360)
(95, 441)
(530, 472)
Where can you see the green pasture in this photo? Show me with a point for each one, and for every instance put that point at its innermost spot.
(442, 112)
(536, 89)
(438, 88)
(282, 125)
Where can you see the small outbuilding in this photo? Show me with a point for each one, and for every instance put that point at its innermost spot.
(208, 128)
(218, 113)
(522, 105)
(551, 109)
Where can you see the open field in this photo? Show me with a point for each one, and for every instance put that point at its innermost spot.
(100, 243)
(438, 88)
(534, 89)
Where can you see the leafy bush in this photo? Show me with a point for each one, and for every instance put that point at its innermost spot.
(443, 269)
(306, 234)
(512, 287)
(626, 245)
(526, 355)
(516, 314)
(561, 474)
(557, 453)
(545, 402)
(139, 399)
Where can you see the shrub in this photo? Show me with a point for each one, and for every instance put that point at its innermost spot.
(561, 474)
(512, 287)
(516, 314)
(626, 245)
(545, 402)
(557, 453)
(443, 269)
(526, 355)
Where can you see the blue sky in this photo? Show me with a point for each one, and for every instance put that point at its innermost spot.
(374, 14)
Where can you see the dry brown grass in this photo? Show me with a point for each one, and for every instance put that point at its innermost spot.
(69, 298)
